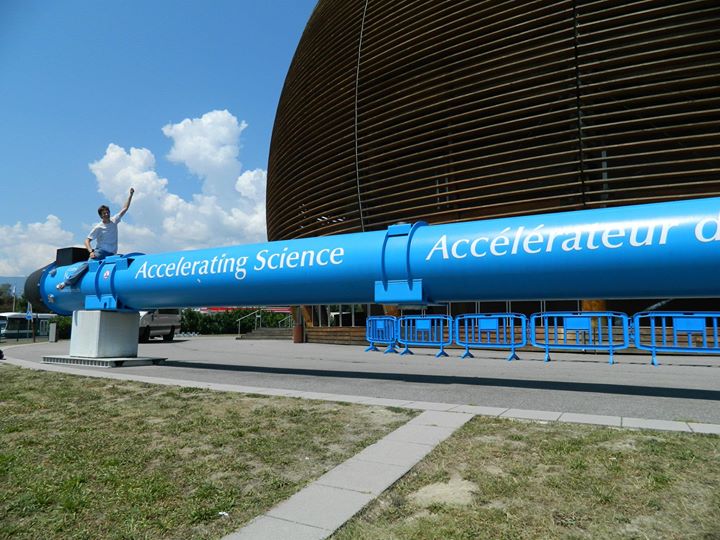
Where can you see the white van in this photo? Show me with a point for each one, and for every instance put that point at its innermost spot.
(159, 323)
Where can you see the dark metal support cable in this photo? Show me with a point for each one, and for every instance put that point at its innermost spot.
(357, 91)
(578, 105)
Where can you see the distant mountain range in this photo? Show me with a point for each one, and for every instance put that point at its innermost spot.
(18, 281)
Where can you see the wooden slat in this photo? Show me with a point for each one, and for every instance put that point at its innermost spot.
(444, 111)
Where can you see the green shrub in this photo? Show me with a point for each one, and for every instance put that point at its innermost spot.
(64, 326)
(225, 322)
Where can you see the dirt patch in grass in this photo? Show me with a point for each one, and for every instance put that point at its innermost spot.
(454, 492)
(87, 458)
(554, 480)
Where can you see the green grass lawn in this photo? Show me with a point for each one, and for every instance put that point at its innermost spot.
(499, 478)
(95, 458)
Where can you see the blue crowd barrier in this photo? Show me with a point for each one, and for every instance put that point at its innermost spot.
(668, 329)
(426, 331)
(591, 330)
(383, 330)
(491, 331)
(656, 332)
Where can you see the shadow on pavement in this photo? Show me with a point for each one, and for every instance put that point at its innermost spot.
(599, 388)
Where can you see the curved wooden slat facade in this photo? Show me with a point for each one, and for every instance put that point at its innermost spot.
(455, 110)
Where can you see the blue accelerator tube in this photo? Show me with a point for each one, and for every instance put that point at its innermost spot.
(647, 251)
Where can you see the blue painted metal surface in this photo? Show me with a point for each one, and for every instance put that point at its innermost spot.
(606, 253)
(491, 331)
(580, 331)
(682, 332)
(425, 331)
(383, 330)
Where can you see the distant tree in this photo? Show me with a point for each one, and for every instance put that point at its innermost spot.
(6, 300)
(64, 325)
(190, 320)
(5, 297)
(225, 322)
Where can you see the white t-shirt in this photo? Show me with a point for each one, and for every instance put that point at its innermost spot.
(106, 234)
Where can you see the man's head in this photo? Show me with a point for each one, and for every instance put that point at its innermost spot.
(104, 211)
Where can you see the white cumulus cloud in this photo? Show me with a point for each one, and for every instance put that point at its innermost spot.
(228, 208)
(23, 245)
(251, 184)
(209, 147)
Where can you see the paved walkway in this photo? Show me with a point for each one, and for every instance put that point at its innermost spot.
(681, 389)
(323, 506)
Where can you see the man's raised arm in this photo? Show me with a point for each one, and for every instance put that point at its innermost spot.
(127, 203)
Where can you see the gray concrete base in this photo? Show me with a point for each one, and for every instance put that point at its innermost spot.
(125, 361)
(104, 334)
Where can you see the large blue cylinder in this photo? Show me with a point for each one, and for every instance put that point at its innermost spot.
(657, 250)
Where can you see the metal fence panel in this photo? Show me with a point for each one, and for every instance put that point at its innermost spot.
(425, 330)
(580, 331)
(673, 331)
(381, 329)
(491, 331)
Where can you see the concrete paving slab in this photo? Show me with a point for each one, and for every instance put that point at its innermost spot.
(442, 419)
(595, 419)
(269, 528)
(294, 393)
(479, 410)
(340, 398)
(705, 428)
(394, 453)
(363, 476)
(384, 402)
(429, 406)
(340, 493)
(429, 435)
(663, 425)
(321, 506)
(255, 390)
(527, 414)
(323, 396)
(273, 392)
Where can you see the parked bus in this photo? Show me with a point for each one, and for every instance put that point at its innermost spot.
(14, 325)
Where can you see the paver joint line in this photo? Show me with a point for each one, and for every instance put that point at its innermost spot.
(271, 528)
(292, 521)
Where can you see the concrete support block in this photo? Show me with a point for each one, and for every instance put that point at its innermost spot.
(104, 334)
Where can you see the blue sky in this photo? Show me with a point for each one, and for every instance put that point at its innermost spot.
(176, 98)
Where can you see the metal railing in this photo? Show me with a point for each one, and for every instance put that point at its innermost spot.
(383, 330)
(604, 331)
(425, 331)
(287, 322)
(680, 332)
(491, 331)
(258, 320)
(580, 331)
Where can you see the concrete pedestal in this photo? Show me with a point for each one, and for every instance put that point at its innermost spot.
(104, 334)
(67, 360)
